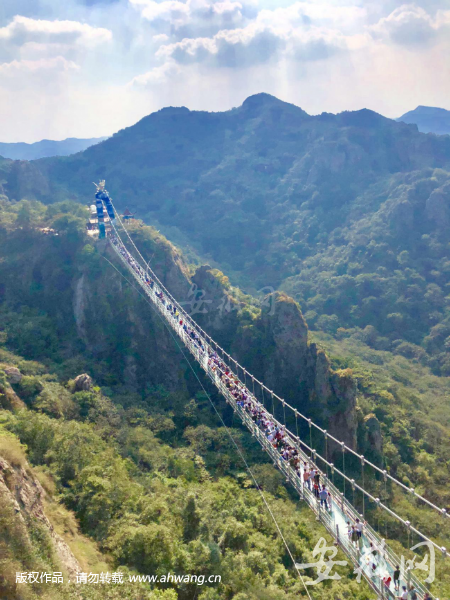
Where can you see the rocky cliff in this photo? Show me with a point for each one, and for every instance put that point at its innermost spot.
(273, 345)
(25, 524)
(100, 322)
(9, 400)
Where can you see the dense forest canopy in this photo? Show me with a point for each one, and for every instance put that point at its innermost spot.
(348, 214)
(162, 440)
(138, 478)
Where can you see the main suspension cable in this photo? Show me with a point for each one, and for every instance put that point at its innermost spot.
(284, 404)
(241, 455)
(296, 439)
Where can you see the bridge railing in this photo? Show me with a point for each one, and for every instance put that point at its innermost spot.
(338, 500)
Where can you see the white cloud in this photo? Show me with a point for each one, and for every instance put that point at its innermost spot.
(22, 30)
(228, 6)
(332, 16)
(156, 76)
(170, 10)
(257, 43)
(327, 55)
(160, 38)
(411, 25)
(317, 44)
(228, 48)
(199, 13)
(302, 31)
(28, 82)
(58, 63)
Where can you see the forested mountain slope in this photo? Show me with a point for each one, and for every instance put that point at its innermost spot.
(89, 323)
(71, 312)
(348, 213)
(141, 461)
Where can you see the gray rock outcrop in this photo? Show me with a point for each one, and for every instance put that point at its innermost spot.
(82, 383)
(13, 374)
(22, 491)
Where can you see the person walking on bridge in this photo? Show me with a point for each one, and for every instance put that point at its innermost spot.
(359, 528)
(316, 490)
(397, 578)
(387, 581)
(307, 478)
(412, 593)
(323, 495)
(349, 530)
(317, 476)
(354, 536)
(404, 595)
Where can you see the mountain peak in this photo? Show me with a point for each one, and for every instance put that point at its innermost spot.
(363, 117)
(428, 109)
(258, 102)
(261, 99)
(174, 110)
(429, 119)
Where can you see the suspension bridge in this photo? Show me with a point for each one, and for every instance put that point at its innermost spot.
(370, 555)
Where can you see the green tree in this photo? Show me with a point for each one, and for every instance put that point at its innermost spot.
(191, 519)
(24, 215)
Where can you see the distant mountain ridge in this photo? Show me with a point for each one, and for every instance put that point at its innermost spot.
(46, 148)
(429, 119)
(348, 213)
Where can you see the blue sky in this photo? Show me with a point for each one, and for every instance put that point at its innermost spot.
(87, 68)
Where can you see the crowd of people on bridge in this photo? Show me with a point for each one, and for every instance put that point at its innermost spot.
(171, 308)
(311, 478)
(275, 433)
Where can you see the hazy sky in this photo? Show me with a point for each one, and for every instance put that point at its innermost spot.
(86, 68)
